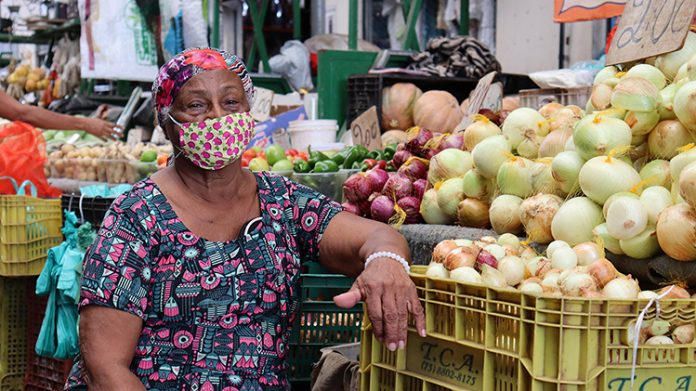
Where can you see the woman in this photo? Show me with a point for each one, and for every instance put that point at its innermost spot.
(36, 116)
(193, 281)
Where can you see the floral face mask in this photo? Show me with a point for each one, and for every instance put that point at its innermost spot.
(215, 143)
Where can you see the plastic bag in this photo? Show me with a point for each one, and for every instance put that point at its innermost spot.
(562, 78)
(293, 64)
(22, 157)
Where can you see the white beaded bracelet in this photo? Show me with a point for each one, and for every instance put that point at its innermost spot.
(390, 255)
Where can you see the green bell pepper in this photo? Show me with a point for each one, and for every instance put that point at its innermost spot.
(389, 152)
(325, 166)
(301, 166)
(338, 158)
(315, 157)
(376, 155)
(353, 155)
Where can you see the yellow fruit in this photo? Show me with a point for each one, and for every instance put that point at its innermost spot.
(22, 71)
(31, 85)
(12, 78)
(34, 77)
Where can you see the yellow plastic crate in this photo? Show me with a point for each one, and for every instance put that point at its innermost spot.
(29, 226)
(13, 332)
(483, 338)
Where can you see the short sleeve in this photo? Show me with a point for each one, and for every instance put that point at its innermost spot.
(312, 212)
(116, 267)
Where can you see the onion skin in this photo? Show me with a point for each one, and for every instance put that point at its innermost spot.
(418, 137)
(666, 138)
(419, 188)
(676, 232)
(575, 283)
(397, 187)
(467, 275)
(449, 195)
(685, 105)
(537, 213)
(430, 210)
(437, 271)
(461, 256)
(448, 164)
(382, 209)
(622, 288)
(358, 188)
(573, 227)
(602, 271)
(400, 157)
(635, 94)
(378, 177)
(659, 340)
(490, 154)
(414, 169)
(656, 173)
(442, 249)
(410, 205)
(486, 258)
(504, 214)
(473, 213)
(683, 334)
(687, 184)
(478, 131)
(675, 292)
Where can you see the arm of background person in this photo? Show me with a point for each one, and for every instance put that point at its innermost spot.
(39, 117)
(384, 285)
(108, 338)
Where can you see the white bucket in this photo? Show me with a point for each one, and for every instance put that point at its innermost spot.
(305, 133)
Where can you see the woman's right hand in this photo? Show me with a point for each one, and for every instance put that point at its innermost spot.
(103, 129)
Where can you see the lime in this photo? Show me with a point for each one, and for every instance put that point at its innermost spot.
(274, 154)
(259, 164)
(282, 165)
(148, 156)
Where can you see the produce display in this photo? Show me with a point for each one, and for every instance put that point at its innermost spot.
(622, 169)
(24, 78)
(116, 162)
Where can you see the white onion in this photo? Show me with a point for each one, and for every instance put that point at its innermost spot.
(603, 176)
(437, 270)
(537, 213)
(655, 199)
(466, 274)
(605, 74)
(492, 277)
(575, 220)
(683, 159)
(473, 213)
(641, 123)
(614, 197)
(575, 283)
(650, 73)
(622, 288)
(505, 214)
(666, 106)
(564, 258)
(555, 142)
(601, 96)
(682, 74)
(430, 210)
(551, 280)
(495, 250)
(636, 94)
(656, 173)
(549, 109)
(513, 269)
(449, 163)
(684, 334)
(588, 253)
(648, 295)
(602, 271)
(543, 180)
(626, 218)
(685, 105)
(676, 232)
(687, 184)
(669, 63)
(642, 246)
(596, 135)
(529, 147)
(477, 186)
(479, 130)
(538, 266)
(659, 340)
(515, 176)
(508, 240)
(531, 288)
(564, 119)
(565, 169)
(608, 241)
(667, 137)
(449, 195)
(490, 153)
(524, 122)
(555, 245)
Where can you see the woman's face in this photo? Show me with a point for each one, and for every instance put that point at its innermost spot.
(211, 94)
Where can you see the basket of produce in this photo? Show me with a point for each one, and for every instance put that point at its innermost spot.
(499, 315)
(112, 163)
(29, 226)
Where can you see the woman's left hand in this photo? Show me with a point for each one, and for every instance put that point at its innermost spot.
(390, 296)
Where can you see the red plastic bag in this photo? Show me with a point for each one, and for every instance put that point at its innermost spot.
(22, 157)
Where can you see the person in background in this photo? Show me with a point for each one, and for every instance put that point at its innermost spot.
(13, 110)
(193, 281)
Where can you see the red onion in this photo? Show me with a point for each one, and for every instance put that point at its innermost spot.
(410, 205)
(417, 142)
(486, 258)
(378, 177)
(419, 188)
(357, 188)
(397, 187)
(455, 141)
(414, 169)
(351, 208)
(491, 115)
(400, 157)
(382, 209)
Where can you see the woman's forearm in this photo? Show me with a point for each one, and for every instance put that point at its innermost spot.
(46, 119)
(113, 378)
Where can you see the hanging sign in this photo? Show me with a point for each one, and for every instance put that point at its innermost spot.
(578, 10)
(263, 103)
(365, 130)
(649, 28)
(476, 100)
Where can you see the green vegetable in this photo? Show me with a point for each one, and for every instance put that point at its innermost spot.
(338, 158)
(325, 166)
(389, 152)
(355, 154)
(315, 157)
(301, 166)
(376, 155)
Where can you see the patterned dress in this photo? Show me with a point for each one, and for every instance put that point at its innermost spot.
(216, 315)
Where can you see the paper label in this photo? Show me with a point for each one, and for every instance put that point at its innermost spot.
(262, 104)
(365, 130)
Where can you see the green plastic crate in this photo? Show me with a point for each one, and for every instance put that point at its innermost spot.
(320, 323)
